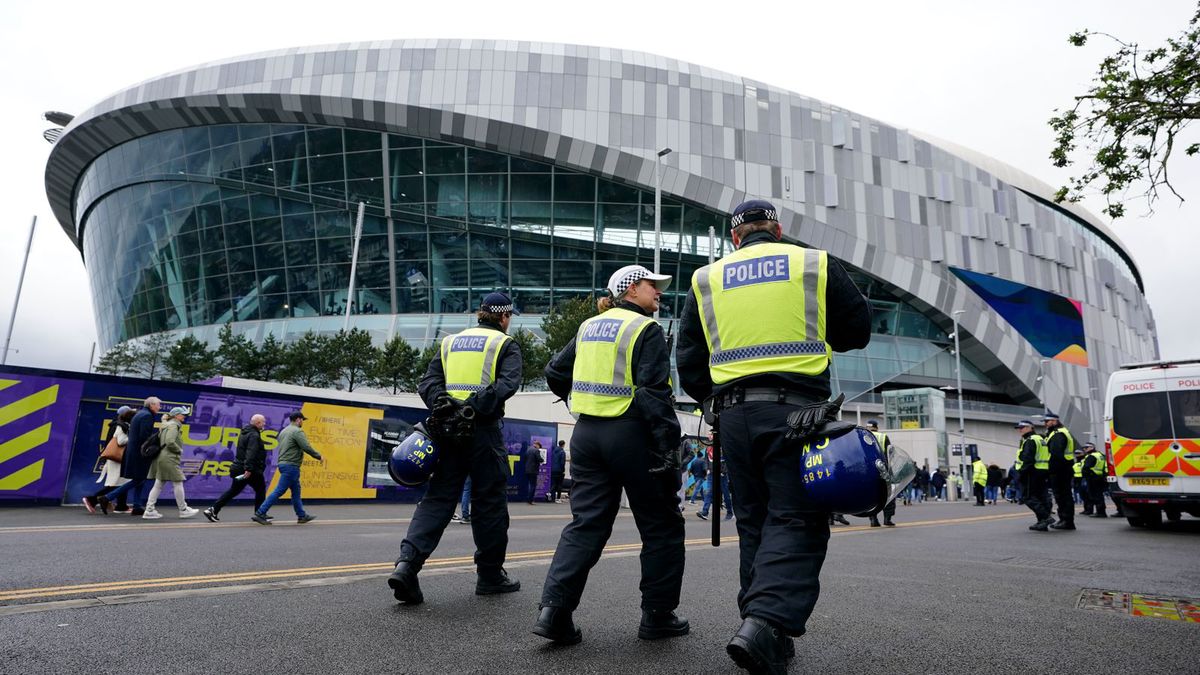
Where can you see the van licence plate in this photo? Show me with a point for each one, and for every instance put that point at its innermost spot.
(1163, 482)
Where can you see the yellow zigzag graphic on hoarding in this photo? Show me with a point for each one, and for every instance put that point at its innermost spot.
(26, 441)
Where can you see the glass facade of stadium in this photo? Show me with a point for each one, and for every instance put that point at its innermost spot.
(196, 227)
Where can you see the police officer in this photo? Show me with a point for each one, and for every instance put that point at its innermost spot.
(1061, 444)
(1094, 469)
(1033, 463)
(479, 368)
(886, 444)
(617, 372)
(756, 337)
(1077, 482)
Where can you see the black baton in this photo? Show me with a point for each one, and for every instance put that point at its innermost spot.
(715, 473)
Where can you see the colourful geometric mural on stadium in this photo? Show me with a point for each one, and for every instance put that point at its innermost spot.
(1052, 323)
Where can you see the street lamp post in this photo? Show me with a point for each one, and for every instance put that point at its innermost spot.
(658, 204)
(17, 301)
(962, 430)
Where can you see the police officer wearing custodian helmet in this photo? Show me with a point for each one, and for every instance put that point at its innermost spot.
(616, 372)
(757, 334)
(479, 369)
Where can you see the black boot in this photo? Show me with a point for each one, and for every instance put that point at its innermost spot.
(661, 623)
(759, 647)
(403, 581)
(874, 521)
(888, 521)
(495, 582)
(839, 518)
(1042, 525)
(1063, 525)
(554, 624)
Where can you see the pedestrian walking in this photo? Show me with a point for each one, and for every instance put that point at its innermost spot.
(113, 449)
(1033, 463)
(134, 466)
(938, 482)
(293, 446)
(477, 370)
(617, 373)
(1061, 446)
(978, 480)
(995, 477)
(727, 497)
(165, 468)
(558, 471)
(533, 465)
(248, 469)
(756, 337)
(697, 477)
(889, 510)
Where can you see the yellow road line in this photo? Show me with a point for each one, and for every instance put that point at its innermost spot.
(137, 584)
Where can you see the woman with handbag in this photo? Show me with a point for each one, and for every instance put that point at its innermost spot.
(110, 469)
(165, 468)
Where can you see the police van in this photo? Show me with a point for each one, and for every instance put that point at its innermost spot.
(1152, 411)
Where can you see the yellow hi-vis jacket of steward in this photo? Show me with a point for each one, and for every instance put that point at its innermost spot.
(882, 439)
(1078, 469)
(1101, 466)
(1069, 451)
(763, 311)
(1041, 457)
(602, 380)
(469, 360)
(979, 472)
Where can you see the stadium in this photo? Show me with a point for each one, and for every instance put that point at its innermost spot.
(227, 193)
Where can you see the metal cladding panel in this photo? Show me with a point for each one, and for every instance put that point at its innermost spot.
(608, 111)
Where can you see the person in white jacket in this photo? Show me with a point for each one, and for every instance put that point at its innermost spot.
(110, 468)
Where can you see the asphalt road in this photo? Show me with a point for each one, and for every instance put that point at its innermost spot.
(114, 594)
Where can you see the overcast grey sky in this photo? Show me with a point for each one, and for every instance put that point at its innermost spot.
(983, 75)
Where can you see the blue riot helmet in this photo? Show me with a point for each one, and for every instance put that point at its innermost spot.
(412, 462)
(845, 470)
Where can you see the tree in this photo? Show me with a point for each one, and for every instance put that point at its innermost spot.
(396, 368)
(562, 323)
(308, 361)
(116, 361)
(190, 360)
(269, 363)
(149, 355)
(534, 356)
(352, 356)
(236, 355)
(1131, 118)
(429, 353)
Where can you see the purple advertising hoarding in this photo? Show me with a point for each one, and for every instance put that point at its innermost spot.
(37, 428)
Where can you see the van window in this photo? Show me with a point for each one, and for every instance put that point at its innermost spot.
(1185, 411)
(1142, 416)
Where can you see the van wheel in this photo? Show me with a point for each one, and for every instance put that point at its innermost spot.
(1174, 515)
(1135, 522)
(1152, 517)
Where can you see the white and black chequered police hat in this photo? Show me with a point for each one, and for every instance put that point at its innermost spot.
(753, 211)
(497, 303)
(629, 275)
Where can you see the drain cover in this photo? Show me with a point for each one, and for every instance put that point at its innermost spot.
(1085, 565)
(1137, 604)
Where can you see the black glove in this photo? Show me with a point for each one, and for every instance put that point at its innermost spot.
(805, 421)
(665, 471)
(444, 407)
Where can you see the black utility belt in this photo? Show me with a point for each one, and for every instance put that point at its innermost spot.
(728, 399)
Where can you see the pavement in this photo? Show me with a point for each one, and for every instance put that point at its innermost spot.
(115, 594)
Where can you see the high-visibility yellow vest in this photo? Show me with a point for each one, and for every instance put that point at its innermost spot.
(602, 381)
(979, 471)
(1041, 457)
(1101, 466)
(883, 442)
(1078, 469)
(1069, 452)
(763, 311)
(469, 360)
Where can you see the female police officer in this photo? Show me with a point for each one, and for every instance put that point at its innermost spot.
(616, 371)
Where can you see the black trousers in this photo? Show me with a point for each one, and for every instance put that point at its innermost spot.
(486, 462)
(556, 481)
(783, 537)
(608, 455)
(1060, 483)
(1034, 486)
(978, 493)
(1096, 485)
(256, 482)
(531, 483)
(888, 511)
